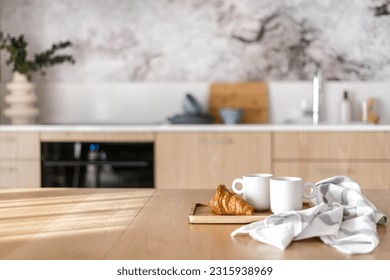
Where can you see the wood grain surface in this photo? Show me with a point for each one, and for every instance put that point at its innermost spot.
(140, 224)
(202, 214)
(65, 223)
(70, 136)
(205, 160)
(331, 145)
(161, 231)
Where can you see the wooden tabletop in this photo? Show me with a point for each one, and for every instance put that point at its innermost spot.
(140, 224)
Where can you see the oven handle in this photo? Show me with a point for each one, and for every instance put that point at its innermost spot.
(97, 163)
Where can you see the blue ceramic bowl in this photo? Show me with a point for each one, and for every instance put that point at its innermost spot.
(230, 115)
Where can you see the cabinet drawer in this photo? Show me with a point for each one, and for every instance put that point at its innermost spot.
(15, 174)
(204, 160)
(86, 136)
(19, 145)
(369, 175)
(331, 145)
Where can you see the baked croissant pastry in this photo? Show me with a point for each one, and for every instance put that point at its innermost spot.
(225, 202)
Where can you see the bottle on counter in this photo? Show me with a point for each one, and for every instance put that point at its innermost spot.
(346, 112)
(368, 114)
(364, 112)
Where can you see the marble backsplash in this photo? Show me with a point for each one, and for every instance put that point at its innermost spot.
(146, 54)
(206, 40)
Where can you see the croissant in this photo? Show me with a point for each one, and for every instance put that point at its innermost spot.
(225, 202)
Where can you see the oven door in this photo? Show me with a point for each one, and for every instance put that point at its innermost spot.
(97, 174)
(111, 165)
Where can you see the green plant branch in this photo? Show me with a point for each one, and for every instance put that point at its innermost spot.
(17, 49)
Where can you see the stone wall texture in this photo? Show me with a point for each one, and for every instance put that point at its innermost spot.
(206, 40)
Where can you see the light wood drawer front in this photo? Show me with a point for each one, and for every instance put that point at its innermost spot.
(204, 160)
(369, 175)
(15, 174)
(19, 145)
(96, 136)
(331, 145)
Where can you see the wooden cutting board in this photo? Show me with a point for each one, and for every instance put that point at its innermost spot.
(202, 214)
(252, 97)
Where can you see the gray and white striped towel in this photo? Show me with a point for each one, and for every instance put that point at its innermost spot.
(342, 218)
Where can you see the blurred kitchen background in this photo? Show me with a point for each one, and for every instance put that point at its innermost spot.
(136, 59)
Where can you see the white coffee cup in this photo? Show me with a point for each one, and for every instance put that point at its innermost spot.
(255, 190)
(287, 193)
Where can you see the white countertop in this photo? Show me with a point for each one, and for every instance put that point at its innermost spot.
(193, 128)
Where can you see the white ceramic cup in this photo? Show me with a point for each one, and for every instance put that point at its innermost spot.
(287, 193)
(255, 189)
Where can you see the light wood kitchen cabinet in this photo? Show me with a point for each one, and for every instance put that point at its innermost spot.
(19, 145)
(19, 160)
(77, 136)
(204, 160)
(20, 174)
(362, 156)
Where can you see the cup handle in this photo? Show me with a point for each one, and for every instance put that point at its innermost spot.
(235, 182)
(312, 194)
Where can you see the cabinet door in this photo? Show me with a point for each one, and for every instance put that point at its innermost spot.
(19, 145)
(362, 156)
(369, 175)
(204, 160)
(20, 174)
(332, 145)
(19, 160)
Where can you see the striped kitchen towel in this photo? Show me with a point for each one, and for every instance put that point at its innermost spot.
(342, 218)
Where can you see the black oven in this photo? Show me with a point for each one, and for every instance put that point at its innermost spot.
(97, 165)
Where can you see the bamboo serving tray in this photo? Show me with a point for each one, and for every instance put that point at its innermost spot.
(201, 214)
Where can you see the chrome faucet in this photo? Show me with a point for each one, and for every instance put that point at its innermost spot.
(317, 89)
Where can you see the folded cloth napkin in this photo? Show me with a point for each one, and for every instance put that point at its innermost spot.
(342, 218)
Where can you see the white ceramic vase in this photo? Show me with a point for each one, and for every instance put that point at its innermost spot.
(21, 100)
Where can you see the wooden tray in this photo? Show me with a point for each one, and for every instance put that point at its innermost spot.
(201, 214)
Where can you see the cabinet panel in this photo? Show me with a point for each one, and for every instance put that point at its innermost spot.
(331, 145)
(86, 136)
(14, 174)
(204, 160)
(367, 174)
(19, 145)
